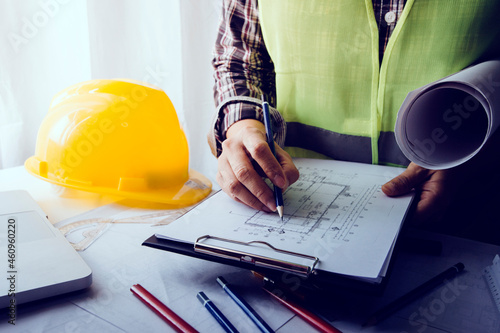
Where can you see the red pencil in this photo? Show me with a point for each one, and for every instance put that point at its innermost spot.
(162, 310)
(312, 319)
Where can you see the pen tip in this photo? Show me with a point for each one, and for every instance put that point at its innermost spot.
(280, 211)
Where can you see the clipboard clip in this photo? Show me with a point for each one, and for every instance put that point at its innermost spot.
(256, 259)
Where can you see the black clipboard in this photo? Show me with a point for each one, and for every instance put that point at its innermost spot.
(307, 275)
(269, 267)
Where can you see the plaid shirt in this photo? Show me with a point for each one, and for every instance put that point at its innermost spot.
(244, 70)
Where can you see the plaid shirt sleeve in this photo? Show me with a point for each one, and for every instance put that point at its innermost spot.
(244, 70)
(243, 73)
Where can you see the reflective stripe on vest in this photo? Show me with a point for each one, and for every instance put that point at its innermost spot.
(343, 146)
(328, 75)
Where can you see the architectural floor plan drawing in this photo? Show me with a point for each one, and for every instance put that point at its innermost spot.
(335, 211)
(322, 204)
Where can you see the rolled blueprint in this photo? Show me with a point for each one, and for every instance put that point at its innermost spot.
(447, 122)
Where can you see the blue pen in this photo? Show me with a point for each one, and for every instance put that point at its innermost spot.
(250, 312)
(278, 195)
(214, 311)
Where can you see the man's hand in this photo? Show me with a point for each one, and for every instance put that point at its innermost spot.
(245, 159)
(436, 191)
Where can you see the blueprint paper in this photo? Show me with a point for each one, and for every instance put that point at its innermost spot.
(336, 211)
(447, 122)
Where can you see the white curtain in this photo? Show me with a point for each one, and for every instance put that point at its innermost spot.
(48, 45)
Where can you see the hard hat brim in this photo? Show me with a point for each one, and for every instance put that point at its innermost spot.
(195, 189)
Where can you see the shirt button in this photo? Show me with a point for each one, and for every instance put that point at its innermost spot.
(390, 17)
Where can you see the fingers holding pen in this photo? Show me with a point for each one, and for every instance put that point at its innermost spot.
(239, 179)
(280, 169)
(264, 158)
(238, 192)
(290, 170)
(244, 152)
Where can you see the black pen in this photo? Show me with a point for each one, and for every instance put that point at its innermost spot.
(278, 195)
(414, 294)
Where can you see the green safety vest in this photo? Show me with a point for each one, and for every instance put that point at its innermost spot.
(337, 98)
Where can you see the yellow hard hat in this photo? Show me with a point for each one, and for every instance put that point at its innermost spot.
(118, 137)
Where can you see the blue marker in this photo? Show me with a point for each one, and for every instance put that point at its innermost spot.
(214, 311)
